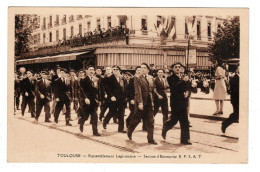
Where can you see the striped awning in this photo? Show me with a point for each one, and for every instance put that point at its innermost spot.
(47, 59)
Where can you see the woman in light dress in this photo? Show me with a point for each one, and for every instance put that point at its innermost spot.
(220, 90)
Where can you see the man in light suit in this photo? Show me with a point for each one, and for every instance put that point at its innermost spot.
(144, 88)
(234, 95)
(160, 98)
(43, 96)
(62, 93)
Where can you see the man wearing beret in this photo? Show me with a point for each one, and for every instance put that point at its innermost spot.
(43, 96)
(28, 93)
(179, 104)
(62, 93)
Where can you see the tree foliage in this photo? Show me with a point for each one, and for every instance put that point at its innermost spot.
(24, 25)
(227, 40)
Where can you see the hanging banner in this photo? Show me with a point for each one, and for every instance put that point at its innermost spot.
(192, 59)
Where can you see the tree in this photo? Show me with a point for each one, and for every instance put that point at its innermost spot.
(24, 25)
(226, 40)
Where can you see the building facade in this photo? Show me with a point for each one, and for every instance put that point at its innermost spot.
(145, 44)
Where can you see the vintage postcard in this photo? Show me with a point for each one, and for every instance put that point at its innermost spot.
(128, 85)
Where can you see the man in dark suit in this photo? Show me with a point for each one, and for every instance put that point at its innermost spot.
(53, 78)
(179, 103)
(234, 95)
(104, 90)
(28, 93)
(117, 88)
(74, 87)
(43, 96)
(160, 98)
(144, 88)
(89, 99)
(62, 93)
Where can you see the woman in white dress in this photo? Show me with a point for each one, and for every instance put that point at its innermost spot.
(220, 90)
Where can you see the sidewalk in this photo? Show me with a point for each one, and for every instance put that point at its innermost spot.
(203, 106)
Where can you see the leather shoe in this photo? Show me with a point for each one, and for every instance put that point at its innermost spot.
(47, 120)
(68, 124)
(100, 118)
(152, 142)
(223, 129)
(164, 134)
(56, 121)
(81, 128)
(104, 125)
(129, 136)
(96, 134)
(186, 143)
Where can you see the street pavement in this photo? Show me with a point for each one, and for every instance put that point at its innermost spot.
(206, 135)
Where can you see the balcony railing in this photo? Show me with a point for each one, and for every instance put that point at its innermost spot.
(56, 23)
(71, 19)
(66, 45)
(144, 32)
(79, 17)
(63, 21)
(43, 27)
(49, 25)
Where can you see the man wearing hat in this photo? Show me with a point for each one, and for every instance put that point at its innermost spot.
(117, 88)
(43, 96)
(62, 93)
(28, 93)
(179, 104)
(89, 99)
(53, 78)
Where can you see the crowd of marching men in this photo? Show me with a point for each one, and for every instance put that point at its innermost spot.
(87, 90)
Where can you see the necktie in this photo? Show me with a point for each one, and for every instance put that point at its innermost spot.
(146, 79)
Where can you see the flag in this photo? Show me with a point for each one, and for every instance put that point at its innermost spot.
(190, 24)
(171, 30)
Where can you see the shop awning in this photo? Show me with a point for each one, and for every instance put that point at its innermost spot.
(48, 59)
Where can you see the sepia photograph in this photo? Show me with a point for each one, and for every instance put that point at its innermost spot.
(128, 85)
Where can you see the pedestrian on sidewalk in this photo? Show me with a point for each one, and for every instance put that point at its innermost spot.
(234, 95)
(220, 90)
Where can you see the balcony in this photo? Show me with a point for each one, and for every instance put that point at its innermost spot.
(78, 43)
(43, 27)
(63, 21)
(56, 23)
(144, 32)
(49, 25)
(71, 19)
(79, 17)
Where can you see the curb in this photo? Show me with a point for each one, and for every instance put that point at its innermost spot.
(200, 98)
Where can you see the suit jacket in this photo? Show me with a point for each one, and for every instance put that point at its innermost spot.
(62, 90)
(74, 87)
(28, 85)
(87, 90)
(160, 88)
(44, 89)
(117, 89)
(143, 89)
(234, 89)
(177, 89)
(131, 89)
